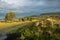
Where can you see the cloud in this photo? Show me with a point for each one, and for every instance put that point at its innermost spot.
(19, 3)
(29, 7)
(23, 6)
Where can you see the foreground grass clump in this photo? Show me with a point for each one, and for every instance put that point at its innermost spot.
(32, 32)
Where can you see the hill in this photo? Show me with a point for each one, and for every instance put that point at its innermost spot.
(52, 13)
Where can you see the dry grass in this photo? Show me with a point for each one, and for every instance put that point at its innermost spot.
(4, 25)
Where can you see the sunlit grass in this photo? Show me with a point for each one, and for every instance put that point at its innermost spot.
(4, 25)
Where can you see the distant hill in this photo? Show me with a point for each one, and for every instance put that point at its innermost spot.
(47, 14)
(52, 13)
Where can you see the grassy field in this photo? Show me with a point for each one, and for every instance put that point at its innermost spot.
(32, 28)
(4, 25)
(34, 31)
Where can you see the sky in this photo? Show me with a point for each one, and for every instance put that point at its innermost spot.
(29, 7)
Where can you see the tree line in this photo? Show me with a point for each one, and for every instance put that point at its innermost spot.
(11, 16)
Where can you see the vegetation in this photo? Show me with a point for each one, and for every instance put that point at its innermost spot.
(10, 16)
(33, 32)
(46, 27)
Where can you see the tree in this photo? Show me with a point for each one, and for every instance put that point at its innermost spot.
(10, 16)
